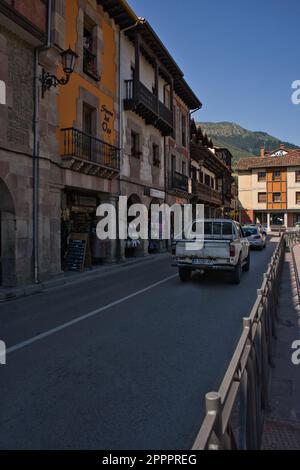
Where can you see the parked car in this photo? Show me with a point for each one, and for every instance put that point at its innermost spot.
(256, 237)
(262, 227)
(224, 248)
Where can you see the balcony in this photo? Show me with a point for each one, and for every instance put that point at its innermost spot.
(86, 154)
(146, 104)
(206, 194)
(178, 182)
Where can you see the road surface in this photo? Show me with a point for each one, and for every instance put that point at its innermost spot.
(122, 361)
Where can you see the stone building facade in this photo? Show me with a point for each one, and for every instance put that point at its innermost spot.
(22, 30)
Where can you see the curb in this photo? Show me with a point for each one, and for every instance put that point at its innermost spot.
(72, 279)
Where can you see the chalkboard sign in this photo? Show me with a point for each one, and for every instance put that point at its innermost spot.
(76, 255)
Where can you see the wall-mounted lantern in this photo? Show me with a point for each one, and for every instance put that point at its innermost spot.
(68, 58)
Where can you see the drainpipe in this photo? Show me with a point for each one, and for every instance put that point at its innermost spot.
(36, 147)
(120, 140)
(120, 126)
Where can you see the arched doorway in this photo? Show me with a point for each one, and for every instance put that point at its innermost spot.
(7, 237)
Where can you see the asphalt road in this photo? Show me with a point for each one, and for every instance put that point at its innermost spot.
(122, 361)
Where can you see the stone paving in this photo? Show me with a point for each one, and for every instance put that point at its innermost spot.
(282, 427)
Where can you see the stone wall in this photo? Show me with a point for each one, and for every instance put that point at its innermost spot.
(16, 168)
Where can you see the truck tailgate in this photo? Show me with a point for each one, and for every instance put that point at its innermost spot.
(211, 249)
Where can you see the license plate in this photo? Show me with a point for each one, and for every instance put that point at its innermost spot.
(202, 261)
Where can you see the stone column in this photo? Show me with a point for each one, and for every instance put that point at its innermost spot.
(285, 223)
(268, 222)
(112, 245)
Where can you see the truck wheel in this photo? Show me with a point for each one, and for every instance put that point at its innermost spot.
(236, 273)
(184, 274)
(246, 266)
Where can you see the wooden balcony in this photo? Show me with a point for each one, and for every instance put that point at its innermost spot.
(206, 194)
(178, 182)
(147, 105)
(86, 154)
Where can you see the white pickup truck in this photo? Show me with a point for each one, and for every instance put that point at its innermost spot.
(224, 248)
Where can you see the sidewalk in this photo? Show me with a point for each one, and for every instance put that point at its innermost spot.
(70, 277)
(282, 426)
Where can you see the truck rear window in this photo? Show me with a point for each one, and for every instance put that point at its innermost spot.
(217, 228)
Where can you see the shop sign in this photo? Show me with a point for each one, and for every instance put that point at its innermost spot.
(157, 193)
(107, 119)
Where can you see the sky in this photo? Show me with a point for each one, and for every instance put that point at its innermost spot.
(240, 57)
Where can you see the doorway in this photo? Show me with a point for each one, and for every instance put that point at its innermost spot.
(7, 238)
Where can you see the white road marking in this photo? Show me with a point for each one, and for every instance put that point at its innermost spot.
(51, 332)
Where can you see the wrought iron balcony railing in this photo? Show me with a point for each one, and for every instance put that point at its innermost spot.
(85, 147)
(140, 99)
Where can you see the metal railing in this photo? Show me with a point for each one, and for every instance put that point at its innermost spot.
(235, 414)
(78, 144)
(143, 95)
(178, 181)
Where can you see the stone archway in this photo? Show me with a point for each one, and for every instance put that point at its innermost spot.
(7, 237)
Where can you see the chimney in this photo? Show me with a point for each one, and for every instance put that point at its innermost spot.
(282, 146)
(262, 151)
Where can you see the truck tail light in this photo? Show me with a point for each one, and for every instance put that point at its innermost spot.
(232, 251)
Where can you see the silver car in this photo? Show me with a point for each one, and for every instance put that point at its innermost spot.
(256, 237)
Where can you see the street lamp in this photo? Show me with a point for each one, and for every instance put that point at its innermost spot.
(68, 59)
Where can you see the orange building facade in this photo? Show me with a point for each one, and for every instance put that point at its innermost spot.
(88, 121)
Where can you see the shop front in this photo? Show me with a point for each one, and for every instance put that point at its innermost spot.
(80, 246)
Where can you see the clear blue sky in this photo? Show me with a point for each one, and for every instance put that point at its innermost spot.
(239, 56)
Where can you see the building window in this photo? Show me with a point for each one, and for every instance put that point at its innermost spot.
(262, 197)
(207, 180)
(297, 176)
(261, 176)
(201, 177)
(88, 116)
(276, 175)
(167, 96)
(135, 145)
(155, 155)
(173, 163)
(183, 168)
(297, 197)
(276, 197)
(194, 173)
(183, 130)
(90, 49)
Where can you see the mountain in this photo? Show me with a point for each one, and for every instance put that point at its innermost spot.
(241, 142)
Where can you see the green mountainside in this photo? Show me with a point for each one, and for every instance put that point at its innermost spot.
(241, 142)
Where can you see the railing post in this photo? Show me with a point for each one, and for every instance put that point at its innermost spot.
(213, 406)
